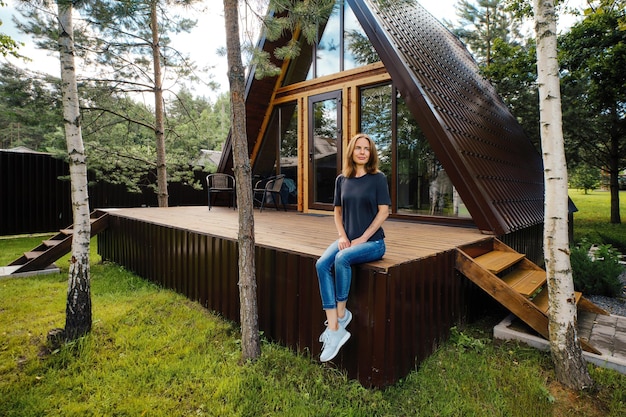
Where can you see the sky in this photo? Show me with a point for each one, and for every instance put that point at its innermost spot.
(201, 44)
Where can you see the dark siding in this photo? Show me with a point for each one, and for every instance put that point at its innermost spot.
(528, 241)
(34, 197)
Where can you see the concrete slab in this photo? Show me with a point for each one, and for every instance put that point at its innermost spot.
(7, 272)
(613, 348)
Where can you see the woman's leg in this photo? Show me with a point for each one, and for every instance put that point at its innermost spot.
(325, 276)
(365, 252)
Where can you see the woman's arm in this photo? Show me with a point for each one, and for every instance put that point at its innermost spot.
(381, 216)
(344, 242)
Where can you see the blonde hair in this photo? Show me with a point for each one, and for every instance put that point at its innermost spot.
(349, 166)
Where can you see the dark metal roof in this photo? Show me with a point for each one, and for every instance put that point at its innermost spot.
(491, 162)
(493, 165)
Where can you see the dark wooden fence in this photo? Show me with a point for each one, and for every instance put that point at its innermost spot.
(34, 198)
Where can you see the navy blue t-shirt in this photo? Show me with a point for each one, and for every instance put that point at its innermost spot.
(359, 199)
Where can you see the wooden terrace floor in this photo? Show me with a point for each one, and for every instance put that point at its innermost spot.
(308, 233)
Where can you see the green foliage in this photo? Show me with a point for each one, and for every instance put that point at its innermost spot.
(585, 178)
(29, 109)
(8, 46)
(288, 17)
(481, 23)
(592, 55)
(114, 43)
(467, 342)
(596, 273)
(118, 131)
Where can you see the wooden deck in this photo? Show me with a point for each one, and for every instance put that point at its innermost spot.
(308, 234)
(403, 305)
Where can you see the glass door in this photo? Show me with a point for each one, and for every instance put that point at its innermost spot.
(324, 148)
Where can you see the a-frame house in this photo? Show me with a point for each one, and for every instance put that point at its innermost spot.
(466, 186)
(451, 150)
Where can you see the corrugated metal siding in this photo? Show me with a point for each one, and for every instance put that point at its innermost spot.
(400, 316)
(493, 165)
(528, 241)
(34, 199)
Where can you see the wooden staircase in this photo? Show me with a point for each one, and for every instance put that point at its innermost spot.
(515, 282)
(57, 246)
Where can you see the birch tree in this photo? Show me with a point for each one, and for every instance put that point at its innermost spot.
(78, 309)
(565, 346)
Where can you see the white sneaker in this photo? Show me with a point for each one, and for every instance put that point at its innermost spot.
(347, 318)
(343, 322)
(333, 341)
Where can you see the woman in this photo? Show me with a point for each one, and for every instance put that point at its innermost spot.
(361, 205)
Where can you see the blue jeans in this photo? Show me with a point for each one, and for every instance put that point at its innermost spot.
(334, 269)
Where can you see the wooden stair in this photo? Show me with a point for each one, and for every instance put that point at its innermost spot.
(52, 249)
(515, 282)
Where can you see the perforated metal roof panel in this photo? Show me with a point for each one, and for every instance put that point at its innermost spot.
(492, 164)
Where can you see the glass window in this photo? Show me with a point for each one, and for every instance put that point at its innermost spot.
(328, 49)
(279, 151)
(423, 186)
(377, 122)
(342, 45)
(357, 49)
(325, 123)
(289, 152)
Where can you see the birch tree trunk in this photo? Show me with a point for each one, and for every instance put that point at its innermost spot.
(159, 125)
(569, 363)
(250, 343)
(78, 309)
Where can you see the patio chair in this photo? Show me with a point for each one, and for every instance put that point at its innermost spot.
(221, 183)
(269, 187)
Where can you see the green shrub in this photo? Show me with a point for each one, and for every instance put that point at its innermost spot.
(585, 177)
(599, 276)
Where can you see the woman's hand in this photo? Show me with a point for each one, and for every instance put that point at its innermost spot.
(343, 243)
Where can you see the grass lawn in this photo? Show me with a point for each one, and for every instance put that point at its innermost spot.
(591, 221)
(152, 352)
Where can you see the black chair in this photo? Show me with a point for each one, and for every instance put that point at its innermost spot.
(269, 187)
(221, 183)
